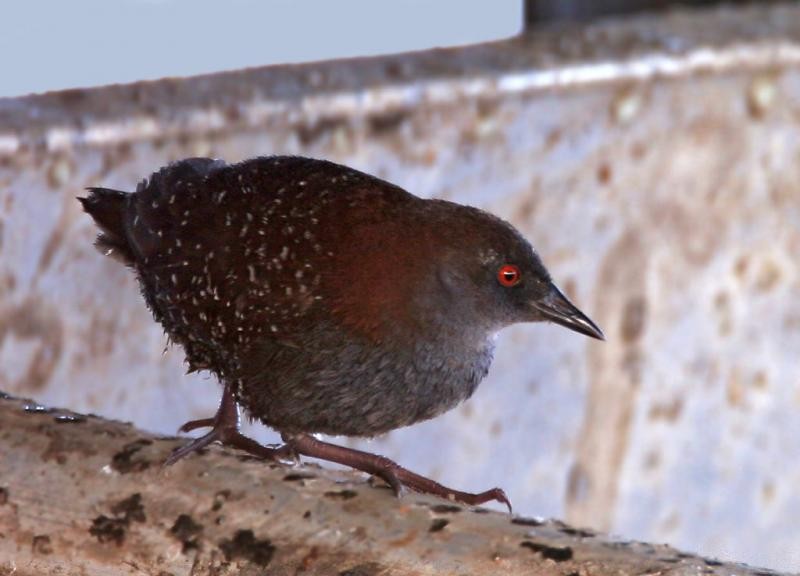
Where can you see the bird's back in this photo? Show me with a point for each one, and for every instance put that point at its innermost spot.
(230, 253)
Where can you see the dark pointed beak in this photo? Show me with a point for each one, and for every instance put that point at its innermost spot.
(555, 307)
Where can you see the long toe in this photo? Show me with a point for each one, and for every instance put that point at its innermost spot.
(389, 476)
(192, 446)
(280, 454)
(231, 437)
(427, 486)
(493, 495)
(195, 424)
(395, 475)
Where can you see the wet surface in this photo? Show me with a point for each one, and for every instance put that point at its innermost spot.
(127, 460)
(245, 546)
(186, 530)
(113, 528)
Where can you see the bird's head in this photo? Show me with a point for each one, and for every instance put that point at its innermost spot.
(439, 268)
(491, 273)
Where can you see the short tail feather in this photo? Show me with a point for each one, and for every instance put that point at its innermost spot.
(107, 208)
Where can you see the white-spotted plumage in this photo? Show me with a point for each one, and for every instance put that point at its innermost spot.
(325, 299)
(299, 282)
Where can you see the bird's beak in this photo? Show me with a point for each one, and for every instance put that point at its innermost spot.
(555, 307)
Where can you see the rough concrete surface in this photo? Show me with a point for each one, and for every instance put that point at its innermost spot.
(117, 510)
(652, 161)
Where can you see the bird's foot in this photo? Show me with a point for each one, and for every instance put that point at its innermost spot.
(234, 439)
(225, 430)
(392, 473)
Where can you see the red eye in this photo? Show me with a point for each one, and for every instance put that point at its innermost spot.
(508, 275)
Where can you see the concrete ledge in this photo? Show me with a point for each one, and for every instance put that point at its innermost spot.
(79, 494)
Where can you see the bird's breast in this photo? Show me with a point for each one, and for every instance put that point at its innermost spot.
(341, 385)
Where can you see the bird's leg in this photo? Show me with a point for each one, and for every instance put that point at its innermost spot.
(392, 473)
(225, 430)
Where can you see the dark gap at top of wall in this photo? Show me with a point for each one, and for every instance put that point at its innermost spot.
(540, 11)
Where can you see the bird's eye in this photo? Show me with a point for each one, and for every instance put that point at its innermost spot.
(509, 275)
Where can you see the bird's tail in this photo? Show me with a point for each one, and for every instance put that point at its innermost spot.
(107, 208)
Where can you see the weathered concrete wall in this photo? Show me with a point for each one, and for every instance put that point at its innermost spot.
(653, 162)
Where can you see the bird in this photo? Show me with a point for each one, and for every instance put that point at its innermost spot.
(325, 300)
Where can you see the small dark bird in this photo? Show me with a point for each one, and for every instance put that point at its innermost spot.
(324, 299)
